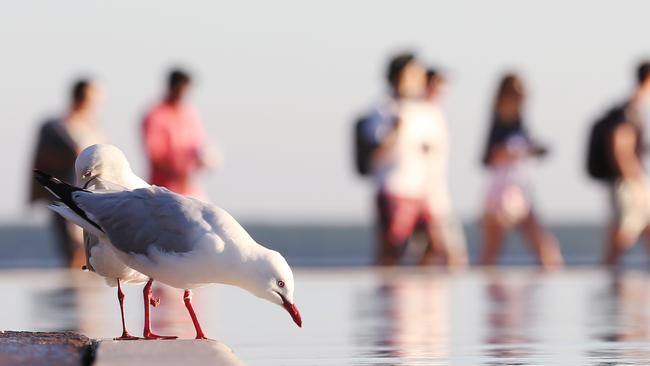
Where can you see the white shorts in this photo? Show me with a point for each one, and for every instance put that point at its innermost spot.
(631, 207)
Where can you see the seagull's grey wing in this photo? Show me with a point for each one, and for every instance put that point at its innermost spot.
(90, 241)
(148, 218)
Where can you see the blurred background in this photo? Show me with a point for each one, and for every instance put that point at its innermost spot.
(279, 85)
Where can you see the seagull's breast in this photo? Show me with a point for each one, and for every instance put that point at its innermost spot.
(106, 262)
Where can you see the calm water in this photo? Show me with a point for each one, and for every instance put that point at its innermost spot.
(364, 316)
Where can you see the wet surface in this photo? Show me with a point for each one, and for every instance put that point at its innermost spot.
(515, 316)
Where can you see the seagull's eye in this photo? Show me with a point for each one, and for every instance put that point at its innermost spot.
(281, 283)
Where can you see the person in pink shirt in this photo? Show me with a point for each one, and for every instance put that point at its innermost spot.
(174, 138)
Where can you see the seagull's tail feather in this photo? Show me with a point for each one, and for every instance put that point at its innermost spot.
(69, 214)
(63, 191)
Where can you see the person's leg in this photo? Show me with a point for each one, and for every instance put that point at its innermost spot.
(456, 243)
(627, 222)
(386, 251)
(398, 218)
(63, 239)
(78, 259)
(617, 244)
(544, 243)
(436, 248)
(646, 237)
(493, 232)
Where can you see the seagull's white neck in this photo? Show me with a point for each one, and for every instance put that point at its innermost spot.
(242, 266)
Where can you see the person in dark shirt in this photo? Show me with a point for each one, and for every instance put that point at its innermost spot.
(508, 204)
(59, 141)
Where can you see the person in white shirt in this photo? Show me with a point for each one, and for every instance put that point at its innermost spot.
(452, 234)
(409, 162)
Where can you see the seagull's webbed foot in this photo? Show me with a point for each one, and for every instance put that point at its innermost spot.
(150, 336)
(126, 337)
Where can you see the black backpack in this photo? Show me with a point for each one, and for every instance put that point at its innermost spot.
(600, 157)
(363, 149)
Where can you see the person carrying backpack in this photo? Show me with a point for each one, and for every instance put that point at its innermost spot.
(614, 158)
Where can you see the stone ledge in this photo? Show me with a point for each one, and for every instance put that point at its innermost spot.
(164, 352)
(45, 348)
(73, 349)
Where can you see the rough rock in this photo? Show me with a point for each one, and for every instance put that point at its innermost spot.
(45, 348)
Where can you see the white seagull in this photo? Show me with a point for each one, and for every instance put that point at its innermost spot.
(103, 167)
(180, 241)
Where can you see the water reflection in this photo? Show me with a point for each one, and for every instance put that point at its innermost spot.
(59, 304)
(406, 317)
(619, 318)
(509, 317)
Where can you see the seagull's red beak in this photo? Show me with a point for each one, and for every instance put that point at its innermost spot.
(293, 311)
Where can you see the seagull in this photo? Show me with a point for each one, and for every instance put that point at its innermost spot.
(179, 241)
(104, 167)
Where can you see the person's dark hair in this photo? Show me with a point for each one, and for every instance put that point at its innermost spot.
(643, 72)
(177, 78)
(79, 91)
(509, 87)
(396, 66)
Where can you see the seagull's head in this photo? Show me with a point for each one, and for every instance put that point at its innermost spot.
(100, 161)
(275, 283)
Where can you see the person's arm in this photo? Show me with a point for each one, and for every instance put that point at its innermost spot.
(500, 154)
(386, 143)
(624, 152)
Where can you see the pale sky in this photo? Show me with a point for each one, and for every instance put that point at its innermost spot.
(280, 83)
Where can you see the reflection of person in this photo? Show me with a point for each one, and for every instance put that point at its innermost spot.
(174, 138)
(509, 316)
(406, 316)
(508, 202)
(59, 141)
(630, 190)
(409, 159)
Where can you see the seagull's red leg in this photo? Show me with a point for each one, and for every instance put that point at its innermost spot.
(187, 298)
(147, 333)
(125, 333)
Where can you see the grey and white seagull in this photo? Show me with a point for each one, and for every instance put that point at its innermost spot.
(103, 167)
(180, 241)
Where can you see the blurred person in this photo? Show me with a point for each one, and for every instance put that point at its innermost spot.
(509, 203)
(174, 139)
(615, 155)
(60, 139)
(408, 160)
(452, 234)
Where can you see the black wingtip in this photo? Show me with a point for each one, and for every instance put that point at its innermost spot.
(43, 177)
(63, 191)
